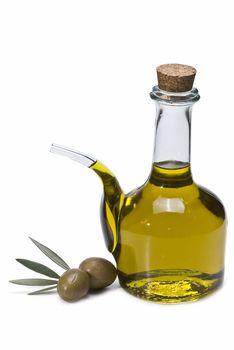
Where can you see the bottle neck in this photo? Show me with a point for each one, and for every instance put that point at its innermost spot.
(172, 136)
(173, 128)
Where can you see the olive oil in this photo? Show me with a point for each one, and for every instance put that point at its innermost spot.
(172, 236)
(167, 236)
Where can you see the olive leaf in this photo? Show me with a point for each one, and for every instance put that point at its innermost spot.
(42, 269)
(34, 282)
(51, 255)
(42, 291)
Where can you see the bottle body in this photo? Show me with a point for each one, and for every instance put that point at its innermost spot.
(171, 238)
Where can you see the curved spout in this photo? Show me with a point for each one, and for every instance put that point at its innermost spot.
(113, 197)
(72, 154)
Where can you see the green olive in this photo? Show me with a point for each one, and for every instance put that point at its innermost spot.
(73, 285)
(101, 271)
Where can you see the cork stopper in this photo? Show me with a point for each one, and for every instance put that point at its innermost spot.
(175, 77)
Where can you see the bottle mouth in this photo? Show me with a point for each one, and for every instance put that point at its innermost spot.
(175, 98)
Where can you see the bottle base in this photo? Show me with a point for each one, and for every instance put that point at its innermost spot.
(170, 286)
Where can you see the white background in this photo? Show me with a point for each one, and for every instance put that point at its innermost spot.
(79, 73)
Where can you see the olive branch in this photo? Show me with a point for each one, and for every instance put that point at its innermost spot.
(42, 269)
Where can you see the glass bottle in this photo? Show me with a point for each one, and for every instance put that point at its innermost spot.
(168, 235)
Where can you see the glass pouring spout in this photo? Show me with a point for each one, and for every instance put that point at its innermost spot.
(112, 199)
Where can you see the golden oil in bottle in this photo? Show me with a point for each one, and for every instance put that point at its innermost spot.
(172, 236)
